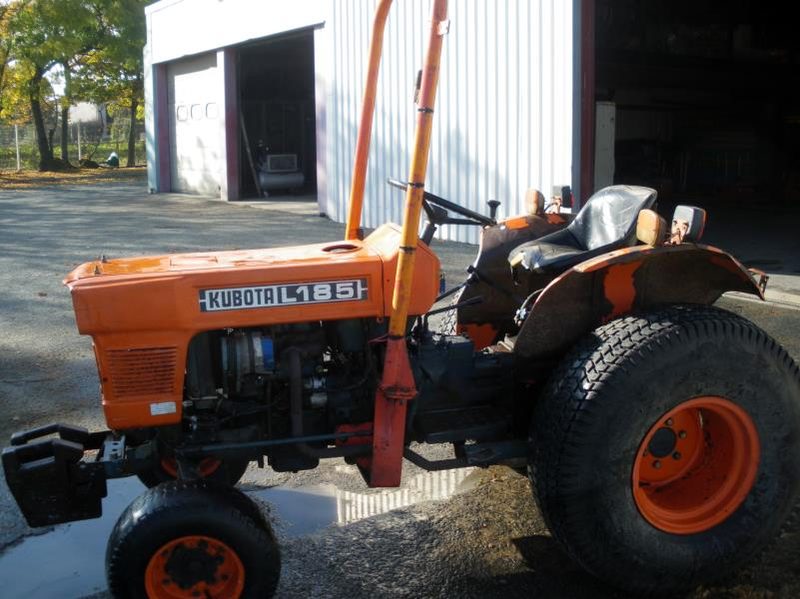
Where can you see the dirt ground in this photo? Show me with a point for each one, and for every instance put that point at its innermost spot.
(488, 540)
(27, 179)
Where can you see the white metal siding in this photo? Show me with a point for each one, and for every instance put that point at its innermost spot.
(195, 143)
(503, 119)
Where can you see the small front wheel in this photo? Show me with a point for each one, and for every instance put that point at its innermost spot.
(165, 469)
(666, 449)
(192, 539)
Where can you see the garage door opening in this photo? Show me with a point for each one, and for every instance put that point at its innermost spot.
(276, 83)
(699, 99)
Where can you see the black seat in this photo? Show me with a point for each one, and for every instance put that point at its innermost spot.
(606, 222)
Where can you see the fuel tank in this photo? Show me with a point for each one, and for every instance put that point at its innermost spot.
(142, 312)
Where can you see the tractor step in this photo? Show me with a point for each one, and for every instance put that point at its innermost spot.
(448, 426)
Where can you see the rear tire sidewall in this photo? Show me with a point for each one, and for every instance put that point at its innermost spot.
(716, 373)
(655, 379)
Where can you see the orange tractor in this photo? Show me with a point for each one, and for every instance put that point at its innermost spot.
(661, 434)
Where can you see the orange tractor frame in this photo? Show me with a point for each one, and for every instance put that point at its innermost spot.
(661, 434)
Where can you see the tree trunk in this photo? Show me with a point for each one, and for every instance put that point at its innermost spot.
(50, 135)
(65, 134)
(132, 133)
(65, 102)
(45, 151)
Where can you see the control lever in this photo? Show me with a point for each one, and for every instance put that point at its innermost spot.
(493, 206)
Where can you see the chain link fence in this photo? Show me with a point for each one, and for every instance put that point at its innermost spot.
(89, 141)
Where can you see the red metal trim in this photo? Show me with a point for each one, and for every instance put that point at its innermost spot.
(231, 116)
(397, 388)
(161, 102)
(587, 98)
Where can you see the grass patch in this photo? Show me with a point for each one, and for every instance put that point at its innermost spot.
(84, 176)
(29, 154)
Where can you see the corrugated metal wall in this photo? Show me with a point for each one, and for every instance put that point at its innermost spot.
(503, 118)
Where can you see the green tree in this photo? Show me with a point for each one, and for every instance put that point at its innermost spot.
(44, 33)
(112, 72)
(7, 12)
(15, 105)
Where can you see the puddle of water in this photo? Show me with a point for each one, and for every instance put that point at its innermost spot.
(307, 510)
(69, 561)
(351, 507)
(301, 511)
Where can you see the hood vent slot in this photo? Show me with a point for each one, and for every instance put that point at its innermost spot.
(148, 371)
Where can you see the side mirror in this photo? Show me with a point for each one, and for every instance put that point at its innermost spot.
(688, 223)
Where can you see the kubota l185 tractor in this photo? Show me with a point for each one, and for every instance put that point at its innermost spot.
(661, 434)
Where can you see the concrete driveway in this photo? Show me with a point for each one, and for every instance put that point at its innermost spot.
(47, 373)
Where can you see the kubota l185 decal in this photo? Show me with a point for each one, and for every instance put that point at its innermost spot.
(270, 296)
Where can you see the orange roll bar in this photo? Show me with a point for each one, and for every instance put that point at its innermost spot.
(419, 167)
(397, 385)
(365, 126)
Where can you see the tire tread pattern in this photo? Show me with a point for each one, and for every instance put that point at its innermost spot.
(564, 414)
(230, 505)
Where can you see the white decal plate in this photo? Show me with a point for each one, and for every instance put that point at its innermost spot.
(162, 408)
(290, 294)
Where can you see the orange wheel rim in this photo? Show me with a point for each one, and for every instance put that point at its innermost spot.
(696, 465)
(194, 566)
(205, 468)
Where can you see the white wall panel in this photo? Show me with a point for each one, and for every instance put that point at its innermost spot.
(177, 28)
(504, 114)
(503, 119)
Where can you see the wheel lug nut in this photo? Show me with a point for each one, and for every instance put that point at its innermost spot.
(676, 455)
(682, 434)
(657, 464)
(669, 422)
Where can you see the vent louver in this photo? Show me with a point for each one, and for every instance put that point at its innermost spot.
(147, 371)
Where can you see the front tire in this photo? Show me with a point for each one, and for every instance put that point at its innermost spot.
(165, 469)
(666, 448)
(192, 538)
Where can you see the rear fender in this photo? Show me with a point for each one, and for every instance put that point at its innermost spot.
(624, 281)
(491, 278)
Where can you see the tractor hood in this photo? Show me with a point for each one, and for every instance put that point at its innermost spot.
(202, 291)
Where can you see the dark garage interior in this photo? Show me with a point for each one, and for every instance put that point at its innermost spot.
(276, 87)
(706, 109)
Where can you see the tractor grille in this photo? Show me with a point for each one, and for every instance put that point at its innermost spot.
(147, 371)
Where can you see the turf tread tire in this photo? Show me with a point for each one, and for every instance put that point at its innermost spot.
(564, 434)
(449, 323)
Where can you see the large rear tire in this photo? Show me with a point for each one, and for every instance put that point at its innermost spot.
(192, 538)
(666, 448)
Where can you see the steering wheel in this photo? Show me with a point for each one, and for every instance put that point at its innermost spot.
(436, 209)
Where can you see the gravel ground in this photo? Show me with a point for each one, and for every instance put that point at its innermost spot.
(487, 541)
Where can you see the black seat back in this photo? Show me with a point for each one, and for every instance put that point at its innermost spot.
(609, 216)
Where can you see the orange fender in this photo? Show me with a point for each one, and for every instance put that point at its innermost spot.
(624, 281)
